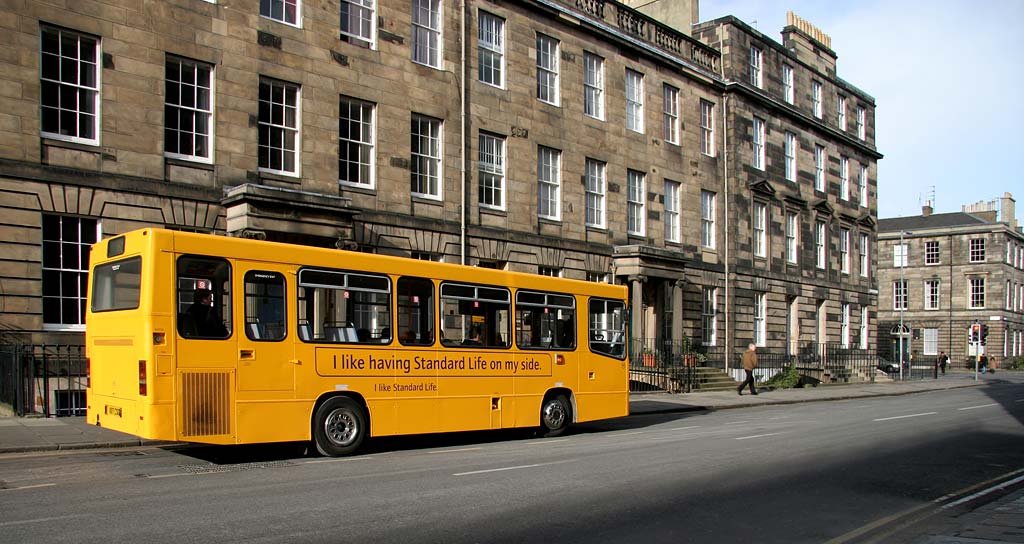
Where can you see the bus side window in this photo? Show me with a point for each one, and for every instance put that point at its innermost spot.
(475, 315)
(545, 320)
(607, 327)
(204, 297)
(344, 307)
(415, 303)
(265, 311)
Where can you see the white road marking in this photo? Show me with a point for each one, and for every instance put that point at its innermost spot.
(906, 416)
(36, 486)
(518, 467)
(756, 436)
(39, 520)
(979, 406)
(984, 492)
(546, 441)
(454, 451)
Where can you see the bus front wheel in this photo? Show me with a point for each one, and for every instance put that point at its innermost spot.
(555, 415)
(339, 427)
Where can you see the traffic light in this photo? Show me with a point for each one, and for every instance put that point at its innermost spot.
(974, 336)
(984, 333)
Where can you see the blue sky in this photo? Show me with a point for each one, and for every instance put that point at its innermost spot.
(948, 81)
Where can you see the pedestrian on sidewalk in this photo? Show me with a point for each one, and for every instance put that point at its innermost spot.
(943, 361)
(749, 361)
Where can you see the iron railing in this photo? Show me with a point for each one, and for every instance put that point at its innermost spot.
(43, 380)
(682, 368)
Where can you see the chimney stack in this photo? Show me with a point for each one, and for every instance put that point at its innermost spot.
(926, 210)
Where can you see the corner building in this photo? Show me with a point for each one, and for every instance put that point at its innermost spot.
(728, 179)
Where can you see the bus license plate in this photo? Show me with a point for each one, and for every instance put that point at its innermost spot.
(113, 411)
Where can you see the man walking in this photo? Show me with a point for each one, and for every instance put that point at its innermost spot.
(749, 364)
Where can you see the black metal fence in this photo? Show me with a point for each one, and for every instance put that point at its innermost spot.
(683, 368)
(43, 380)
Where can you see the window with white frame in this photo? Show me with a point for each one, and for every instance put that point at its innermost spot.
(593, 85)
(69, 86)
(844, 250)
(931, 252)
(760, 318)
(283, 11)
(841, 111)
(844, 325)
(816, 99)
(900, 254)
(899, 295)
(844, 178)
(549, 271)
(861, 122)
(819, 244)
(865, 254)
(931, 342)
(792, 236)
(1009, 296)
(862, 183)
(597, 277)
(863, 327)
(358, 21)
(491, 49)
(760, 220)
(788, 93)
(425, 146)
(977, 254)
(66, 243)
(758, 160)
(279, 127)
(931, 294)
(635, 213)
(427, 256)
(670, 100)
(426, 32)
(819, 168)
(595, 193)
(356, 157)
(977, 294)
(491, 171)
(790, 151)
(188, 110)
(709, 316)
(547, 69)
(634, 100)
(756, 61)
(549, 183)
(707, 128)
(672, 193)
(707, 219)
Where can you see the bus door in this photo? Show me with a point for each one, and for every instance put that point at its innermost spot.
(206, 353)
(266, 362)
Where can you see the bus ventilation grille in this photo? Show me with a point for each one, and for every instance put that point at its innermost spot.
(206, 403)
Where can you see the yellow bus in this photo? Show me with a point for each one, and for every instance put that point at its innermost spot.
(208, 339)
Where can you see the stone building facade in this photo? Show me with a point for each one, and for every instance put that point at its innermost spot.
(574, 138)
(941, 272)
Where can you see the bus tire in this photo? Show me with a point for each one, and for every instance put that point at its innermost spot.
(555, 415)
(339, 427)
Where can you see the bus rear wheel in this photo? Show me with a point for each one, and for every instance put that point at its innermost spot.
(339, 427)
(555, 415)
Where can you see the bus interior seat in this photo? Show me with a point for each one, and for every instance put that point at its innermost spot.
(255, 332)
(304, 332)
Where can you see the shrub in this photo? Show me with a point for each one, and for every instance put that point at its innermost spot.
(787, 379)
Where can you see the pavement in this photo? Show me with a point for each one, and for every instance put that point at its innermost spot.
(1001, 520)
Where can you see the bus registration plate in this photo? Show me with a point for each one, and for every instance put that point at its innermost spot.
(113, 410)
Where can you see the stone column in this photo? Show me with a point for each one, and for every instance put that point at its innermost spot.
(677, 311)
(636, 309)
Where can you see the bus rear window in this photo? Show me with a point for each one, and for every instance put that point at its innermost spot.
(115, 286)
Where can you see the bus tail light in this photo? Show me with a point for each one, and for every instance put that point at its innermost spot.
(142, 378)
(88, 373)
(559, 359)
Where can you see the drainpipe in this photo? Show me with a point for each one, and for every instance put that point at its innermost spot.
(462, 133)
(725, 200)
